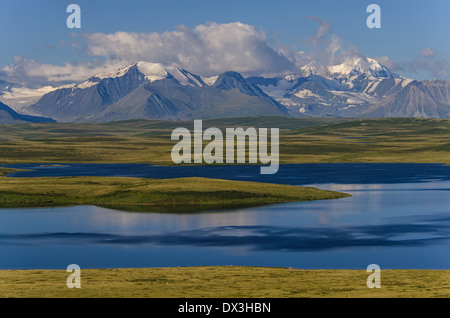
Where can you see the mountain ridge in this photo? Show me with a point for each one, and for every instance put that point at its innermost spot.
(359, 87)
(153, 91)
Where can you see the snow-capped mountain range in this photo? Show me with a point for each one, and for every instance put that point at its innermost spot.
(359, 87)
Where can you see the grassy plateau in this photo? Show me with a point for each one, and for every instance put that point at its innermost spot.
(302, 140)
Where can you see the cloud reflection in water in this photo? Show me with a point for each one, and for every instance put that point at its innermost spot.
(261, 237)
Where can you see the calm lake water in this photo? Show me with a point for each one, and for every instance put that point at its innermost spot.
(398, 217)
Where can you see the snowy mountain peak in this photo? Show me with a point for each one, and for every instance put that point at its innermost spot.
(157, 71)
(309, 69)
(359, 66)
(151, 71)
(114, 74)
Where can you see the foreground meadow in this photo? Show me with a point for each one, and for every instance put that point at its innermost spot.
(224, 282)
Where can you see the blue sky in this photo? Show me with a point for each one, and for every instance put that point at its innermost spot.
(413, 39)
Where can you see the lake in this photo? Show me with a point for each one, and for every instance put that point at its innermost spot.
(398, 217)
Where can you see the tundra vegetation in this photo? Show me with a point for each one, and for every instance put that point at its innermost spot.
(224, 282)
(302, 140)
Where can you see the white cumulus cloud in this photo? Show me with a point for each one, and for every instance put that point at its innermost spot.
(207, 49)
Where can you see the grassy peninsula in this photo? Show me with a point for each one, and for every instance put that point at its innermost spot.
(142, 194)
